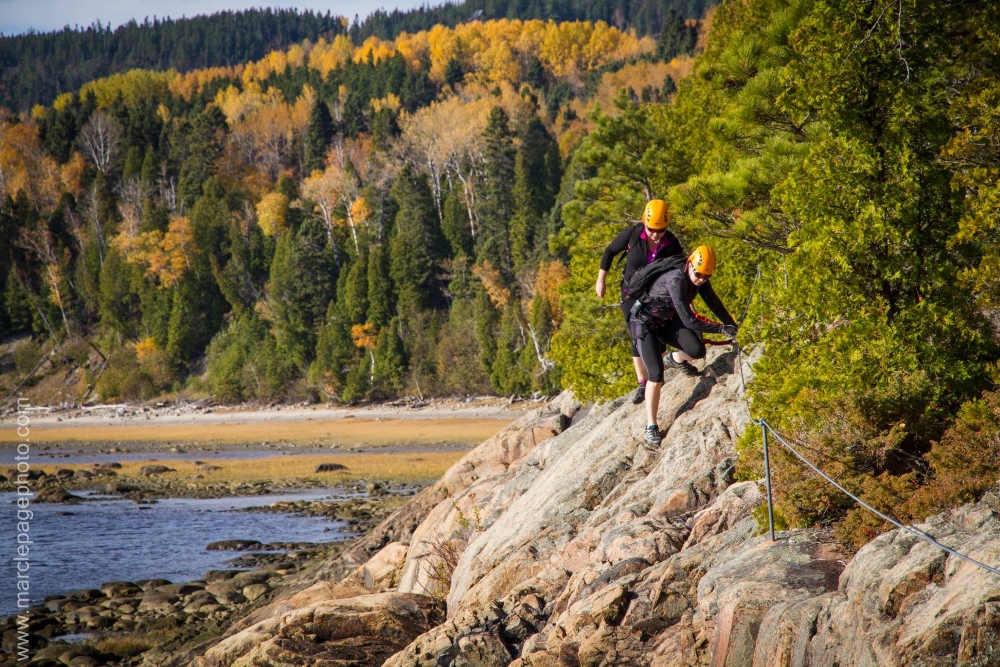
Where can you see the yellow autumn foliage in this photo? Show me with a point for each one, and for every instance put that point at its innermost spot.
(189, 84)
(364, 336)
(144, 348)
(493, 281)
(550, 277)
(134, 86)
(167, 256)
(494, 49)
(272, 213)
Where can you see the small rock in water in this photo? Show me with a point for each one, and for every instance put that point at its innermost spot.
(55, 494)
(233, 545)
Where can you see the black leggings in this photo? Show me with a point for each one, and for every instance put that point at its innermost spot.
(651, 347)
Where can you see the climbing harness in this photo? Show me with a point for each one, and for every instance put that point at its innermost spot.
(766, 428)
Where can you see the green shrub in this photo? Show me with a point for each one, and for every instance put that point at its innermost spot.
(26, 356)
(243, 362)
(127, 377)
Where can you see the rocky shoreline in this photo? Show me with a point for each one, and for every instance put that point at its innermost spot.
(124, 618)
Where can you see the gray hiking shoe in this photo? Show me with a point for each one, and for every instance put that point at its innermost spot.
(682, 366)
(653, 436)
(640, 395)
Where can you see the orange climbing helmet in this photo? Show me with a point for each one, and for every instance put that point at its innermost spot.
(656, 215)
(703, 260)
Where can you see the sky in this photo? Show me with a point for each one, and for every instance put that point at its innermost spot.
(19, 16)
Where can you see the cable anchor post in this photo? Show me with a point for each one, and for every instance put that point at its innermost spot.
(767, 479)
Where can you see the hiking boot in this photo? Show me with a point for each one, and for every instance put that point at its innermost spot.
(653, 436)
(640, 395)
(682, 366)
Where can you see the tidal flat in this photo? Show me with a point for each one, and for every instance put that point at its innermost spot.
(257, 500)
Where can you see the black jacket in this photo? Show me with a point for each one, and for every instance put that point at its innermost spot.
(674, 287)
(629, 241)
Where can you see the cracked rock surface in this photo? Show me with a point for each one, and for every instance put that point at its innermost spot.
(556, 545)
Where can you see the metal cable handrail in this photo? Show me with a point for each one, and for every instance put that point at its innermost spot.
(765, 428)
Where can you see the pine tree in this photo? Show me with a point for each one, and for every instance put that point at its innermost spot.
(506, 374)
(677, 38)
(486, 329)
(379, 287)
(182, 332)
(534, 191)
(416, 244)
(495, 206)
(118, 303)
(456, 224)
(303, 276)
(356, 296)
(334, 353)
(319, 134)
(17, 303)
(150, 173)
(133, 163)
(390, 363)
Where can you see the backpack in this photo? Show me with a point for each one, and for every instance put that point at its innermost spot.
(640, 282)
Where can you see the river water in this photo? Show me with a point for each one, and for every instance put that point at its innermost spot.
(87, 544)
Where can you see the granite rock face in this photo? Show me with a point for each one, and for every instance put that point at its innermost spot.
(551, 546)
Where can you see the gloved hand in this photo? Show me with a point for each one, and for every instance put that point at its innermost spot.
(729, 330)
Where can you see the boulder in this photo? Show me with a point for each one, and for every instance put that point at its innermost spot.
(56, 494)
(382, 571)
(362, 630)
(150, 470)
(330, 467)
(234, 545)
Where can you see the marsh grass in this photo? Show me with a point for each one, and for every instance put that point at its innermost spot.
(343, 432)
(127, 646)
(396, 467)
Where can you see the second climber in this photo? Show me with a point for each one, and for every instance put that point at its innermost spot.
(662, 315)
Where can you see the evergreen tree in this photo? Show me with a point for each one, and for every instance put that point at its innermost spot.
(17, 303)
(507, 375)
(385, 128)
(133, 163)
(183, 336)
(118, 302)
(150, 173)
(534, 191)
(416, 244)
(495, 206)
(677, 38)
(456, 224)
(389, 368)
(487, 321)
(319, 134)
(356, 295)
(303, 276)
(335, 352)
(380, 305)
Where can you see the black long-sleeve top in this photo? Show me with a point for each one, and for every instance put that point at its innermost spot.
(629, 239)
(676, 287)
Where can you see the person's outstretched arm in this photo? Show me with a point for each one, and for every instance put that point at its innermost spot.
(677, 289)
(713, 301)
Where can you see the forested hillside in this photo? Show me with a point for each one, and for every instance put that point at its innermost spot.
(36, 67)
(362, 219)
(646, 17)
(337, 220)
